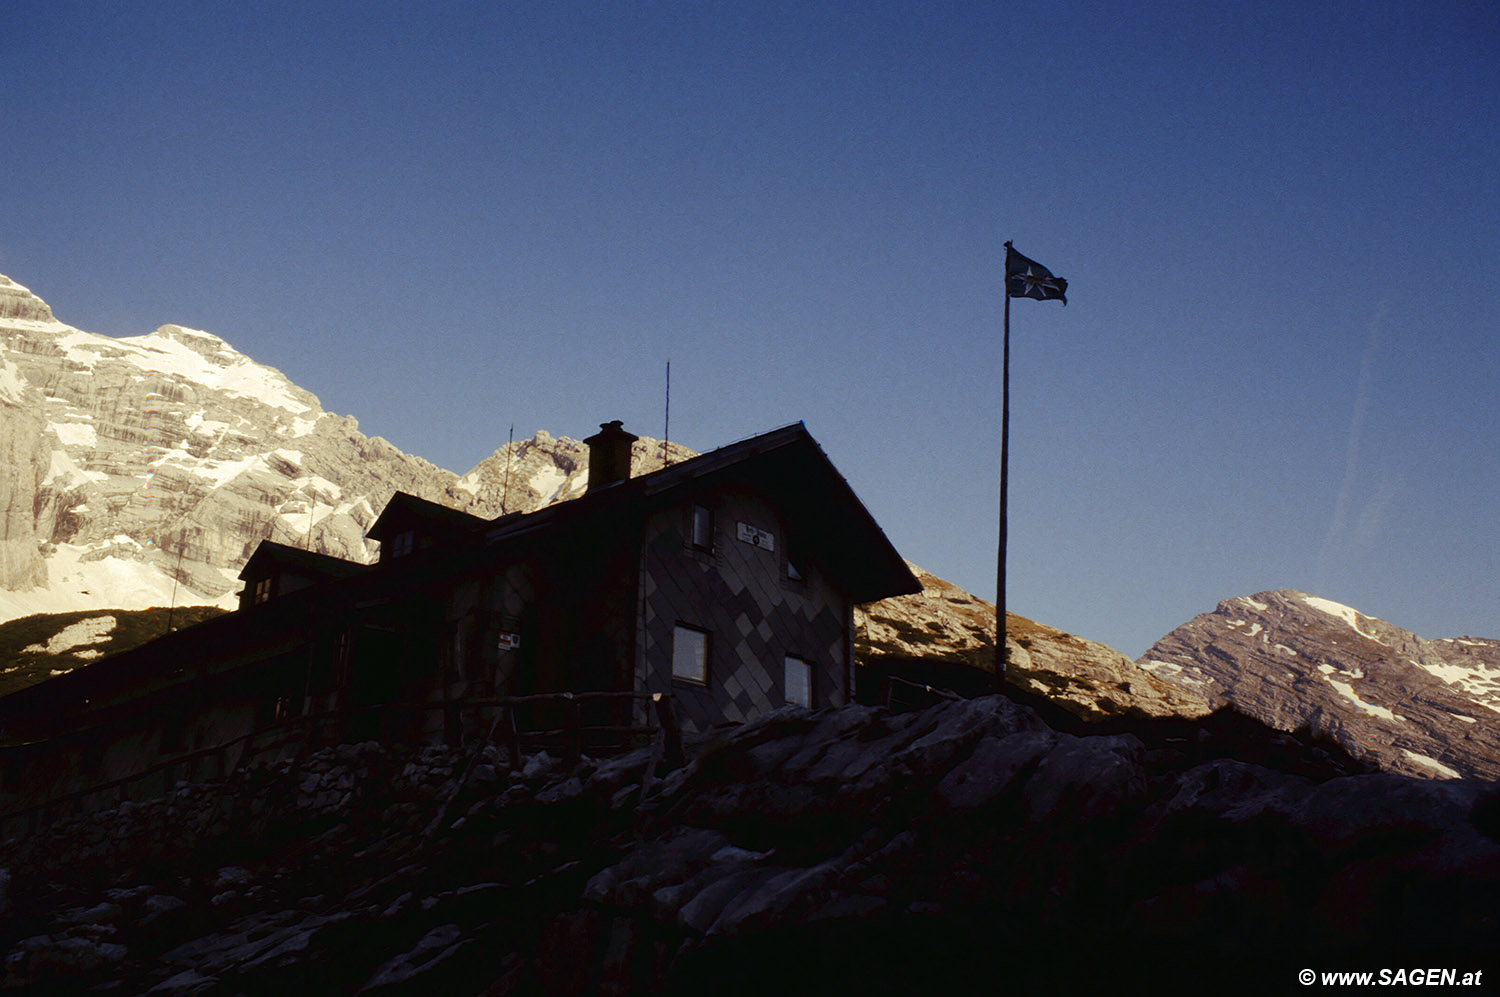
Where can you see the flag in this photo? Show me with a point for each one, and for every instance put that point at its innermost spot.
(1029, 279)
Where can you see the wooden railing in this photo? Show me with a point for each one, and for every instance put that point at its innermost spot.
(300, 734)
(904, 694)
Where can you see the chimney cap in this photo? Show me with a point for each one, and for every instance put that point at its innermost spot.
(609, 454)
(613, 428)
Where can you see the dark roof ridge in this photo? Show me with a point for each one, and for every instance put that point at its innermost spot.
(330, 564)
(427, 509)
(509, 524)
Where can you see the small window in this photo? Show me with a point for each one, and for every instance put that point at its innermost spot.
(703, 527)
(690, 654)
(798, 683)
(403, 543)
(264, 588)
(796, 562)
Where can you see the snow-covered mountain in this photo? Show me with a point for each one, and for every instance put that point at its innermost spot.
(1421, 707)
(143, 471)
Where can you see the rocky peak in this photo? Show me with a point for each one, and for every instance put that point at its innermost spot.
(144, 470)
(1411, 705)
(205, 344)
(18, 303)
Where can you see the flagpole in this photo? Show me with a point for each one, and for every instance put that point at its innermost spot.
(1035, 281)
(1004, 483)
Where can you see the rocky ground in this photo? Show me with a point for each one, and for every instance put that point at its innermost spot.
(968, 847)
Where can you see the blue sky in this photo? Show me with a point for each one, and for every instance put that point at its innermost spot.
(1280, 221)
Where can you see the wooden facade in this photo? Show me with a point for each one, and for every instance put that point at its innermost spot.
(726, 581)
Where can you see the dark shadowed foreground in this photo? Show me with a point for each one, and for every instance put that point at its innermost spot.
(966, 848)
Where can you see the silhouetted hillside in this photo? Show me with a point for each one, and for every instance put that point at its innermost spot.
(36, 648)
(966, 848)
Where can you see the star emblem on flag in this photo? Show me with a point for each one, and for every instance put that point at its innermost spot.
(1026, 278)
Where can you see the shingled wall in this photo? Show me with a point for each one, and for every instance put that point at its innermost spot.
(754, 613)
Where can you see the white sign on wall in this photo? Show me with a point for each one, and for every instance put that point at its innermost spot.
(508, 641)
(757, 537)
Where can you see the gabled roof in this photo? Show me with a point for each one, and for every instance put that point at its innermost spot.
(786, 464)
(404, 512)
(271, 556)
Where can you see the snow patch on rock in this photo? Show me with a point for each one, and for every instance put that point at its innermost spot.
(1347, 691)
(124, 583)
(90, 631)
(206, 359)
(76, 434)
(1178, 674)
(1346, 613)
(1432, 764)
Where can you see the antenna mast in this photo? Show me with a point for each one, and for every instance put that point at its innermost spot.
(666, 429)
(172, 607)
(312, 508)
(509, 456)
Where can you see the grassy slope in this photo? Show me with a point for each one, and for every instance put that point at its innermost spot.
(20, 668)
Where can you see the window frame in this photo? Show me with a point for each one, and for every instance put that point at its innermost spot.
(705, 654)
(706, 512)
(796, 561)
(403, 544)
(787, 661)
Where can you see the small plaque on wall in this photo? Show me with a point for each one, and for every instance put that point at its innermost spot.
(508, 641)
(757, 537)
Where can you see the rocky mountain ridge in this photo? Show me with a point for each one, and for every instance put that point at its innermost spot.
(143, 471)
(1426, 708)
(946, 637)
(1422, 707)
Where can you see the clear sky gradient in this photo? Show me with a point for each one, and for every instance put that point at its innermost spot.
(1280, 222)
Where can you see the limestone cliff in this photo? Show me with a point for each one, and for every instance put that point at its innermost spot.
(145, 470)
(23, 453)
(16, 302)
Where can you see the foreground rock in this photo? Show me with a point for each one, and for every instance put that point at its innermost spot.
(965, 848)
(1428, 708)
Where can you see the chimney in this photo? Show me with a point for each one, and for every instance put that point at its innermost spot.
(609, 455)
